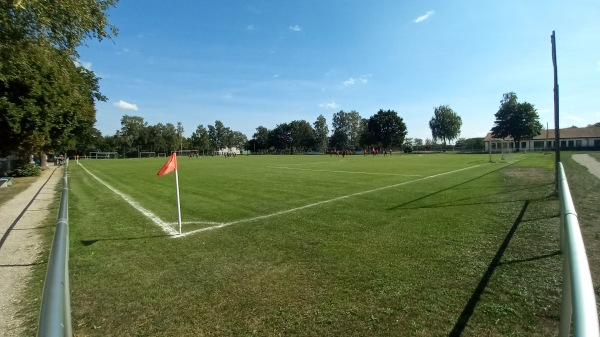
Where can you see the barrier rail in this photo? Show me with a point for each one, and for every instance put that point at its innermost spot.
(578, 300)
(55, 311)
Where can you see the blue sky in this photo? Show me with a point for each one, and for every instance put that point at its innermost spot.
(264, 62)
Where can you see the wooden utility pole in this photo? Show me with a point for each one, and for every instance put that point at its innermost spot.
(556, 114)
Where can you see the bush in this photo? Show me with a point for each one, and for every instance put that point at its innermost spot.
(28, 170)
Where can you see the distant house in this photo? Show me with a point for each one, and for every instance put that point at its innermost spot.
(570, 138)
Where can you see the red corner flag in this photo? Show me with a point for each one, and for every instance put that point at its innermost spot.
(170, 165)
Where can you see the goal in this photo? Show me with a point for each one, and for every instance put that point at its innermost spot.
(103, 155)
(147, 154)
(187, 153)
(162, 154)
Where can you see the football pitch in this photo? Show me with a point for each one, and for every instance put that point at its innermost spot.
(315, 246)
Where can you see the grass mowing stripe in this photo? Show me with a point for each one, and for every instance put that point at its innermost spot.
(351, 172)
(165, 226)
(323, 202)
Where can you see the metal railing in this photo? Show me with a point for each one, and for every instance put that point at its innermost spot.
(578, 300)
(55, 311)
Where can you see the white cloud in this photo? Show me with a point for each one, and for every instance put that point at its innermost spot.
(250, 27)
(295, 28)
(352, 80)
(329, 105)
(125, 105)
(349, 82)
(86, 65)
(424, 17)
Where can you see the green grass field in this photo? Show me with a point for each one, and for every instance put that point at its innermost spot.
(316, 246)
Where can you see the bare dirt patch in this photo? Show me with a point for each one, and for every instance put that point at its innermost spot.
(20, 246)
(586, 160)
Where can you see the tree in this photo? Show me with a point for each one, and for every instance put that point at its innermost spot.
(386, 128)
(418, 143)
(302, 135)
(347, 125)
(339, 140)
(47, 100)
(63, 25)
(200, 139)
(219, 135)
(131, 133)
(280, 137)
(237, 139)
(180, 132)
(321, 134)
(445, 124)
(516, 120)
(260, 139)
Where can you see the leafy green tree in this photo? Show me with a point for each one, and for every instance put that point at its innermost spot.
(321, 134)
(339, 140)
(156, 139)
(218, 135)
(46, 100)
(180, 132)
(516, 120)
(63, 25)
(418, 143)
(386, 128)
(90, 141)
(237, 139)
(302, 136)
(280, 138)
(445, 124)
(349, 125)
(200, 139)
(260, 139)
(132, 132)
(170, 137)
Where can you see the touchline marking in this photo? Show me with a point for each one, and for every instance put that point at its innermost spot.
(137, 206)
(351, 172)
(321, 202)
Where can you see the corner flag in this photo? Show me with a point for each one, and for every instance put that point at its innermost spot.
(171, 165)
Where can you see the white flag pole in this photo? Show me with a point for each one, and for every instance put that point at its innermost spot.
(178, 203)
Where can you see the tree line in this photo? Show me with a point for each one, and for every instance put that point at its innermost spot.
(385, 129)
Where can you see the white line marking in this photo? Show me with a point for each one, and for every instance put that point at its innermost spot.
(321, 202)
(196, 223)
(314, 163)
(352, 172)
(137, 206)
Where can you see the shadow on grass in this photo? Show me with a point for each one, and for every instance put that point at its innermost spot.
(456, 202)
(91, 242)
(469, 309)
(530, 259)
